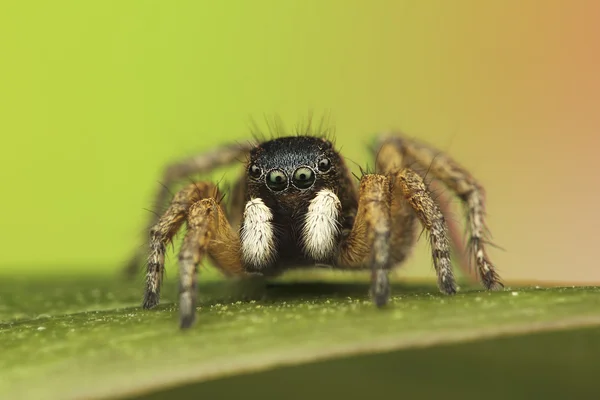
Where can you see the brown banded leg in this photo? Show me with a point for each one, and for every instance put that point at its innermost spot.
(455, 232)
(162, 234)
(455, 177)
(430, 215)
(404, 220)
(176, 172)
(209, 233)
(390, 161)
(369, 237)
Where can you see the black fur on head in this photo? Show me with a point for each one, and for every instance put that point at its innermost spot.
(288, 171)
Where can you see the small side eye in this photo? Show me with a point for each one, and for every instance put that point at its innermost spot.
(303, 178)
(277, 180)
(254, 171)
(324, 164)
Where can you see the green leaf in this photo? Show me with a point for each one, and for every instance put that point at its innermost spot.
(86, 337)
(547, 365)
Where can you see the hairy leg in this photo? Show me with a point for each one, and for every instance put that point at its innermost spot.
(430, 215)
(455, 232)
(174, 173)
(368, 240)
(390, 162)
(209, 233)
(455, 177)
(161, 234)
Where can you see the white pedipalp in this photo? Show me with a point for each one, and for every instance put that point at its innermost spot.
(321, 225)
(257, 237)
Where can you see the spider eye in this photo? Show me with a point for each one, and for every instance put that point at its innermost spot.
(324, 164)
(277, 180)
(303, 178)
(254, 171)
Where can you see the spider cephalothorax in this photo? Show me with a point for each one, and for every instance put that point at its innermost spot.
(291, 182)
(298, 205)
(287, 172)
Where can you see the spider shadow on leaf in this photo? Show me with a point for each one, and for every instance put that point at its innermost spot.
(274, 291)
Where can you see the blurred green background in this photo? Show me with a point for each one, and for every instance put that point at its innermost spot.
(97, 96)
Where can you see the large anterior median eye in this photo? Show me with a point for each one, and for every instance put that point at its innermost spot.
(303, 178)
(277, 180)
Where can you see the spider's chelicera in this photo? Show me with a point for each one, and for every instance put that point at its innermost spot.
(297, 205)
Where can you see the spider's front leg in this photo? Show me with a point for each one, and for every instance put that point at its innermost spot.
(208, 232)
(161, 234)
(201, 163)
(369, 238)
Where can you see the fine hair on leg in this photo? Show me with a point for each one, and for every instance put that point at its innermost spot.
(368, 241)
(433, 221)
(178, 171)
(443, 168)
(162, 234)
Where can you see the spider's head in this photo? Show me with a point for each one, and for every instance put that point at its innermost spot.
(287, 172)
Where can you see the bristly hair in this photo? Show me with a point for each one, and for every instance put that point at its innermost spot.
(325, 129)
(275, 128)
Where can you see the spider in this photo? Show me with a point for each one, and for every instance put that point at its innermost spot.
(298, 205)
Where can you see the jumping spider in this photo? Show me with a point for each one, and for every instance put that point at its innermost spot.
(297, 205)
